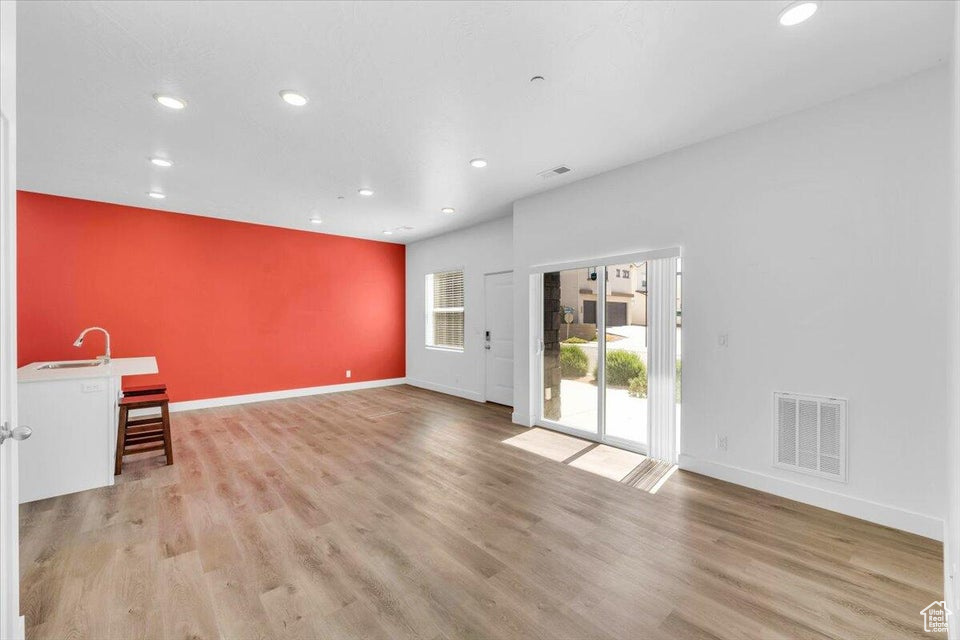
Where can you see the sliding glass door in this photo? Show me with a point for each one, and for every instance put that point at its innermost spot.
(570, 392)
(625, 354)
(605, 346)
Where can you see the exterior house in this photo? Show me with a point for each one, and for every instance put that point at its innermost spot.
(626, 295)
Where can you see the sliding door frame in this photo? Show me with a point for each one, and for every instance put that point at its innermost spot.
(601, 264)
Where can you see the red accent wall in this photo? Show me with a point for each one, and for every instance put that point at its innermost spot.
(227, 308)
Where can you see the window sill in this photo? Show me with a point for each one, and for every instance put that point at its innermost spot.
(446, 349)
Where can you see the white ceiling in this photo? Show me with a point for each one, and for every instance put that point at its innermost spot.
(403, 95)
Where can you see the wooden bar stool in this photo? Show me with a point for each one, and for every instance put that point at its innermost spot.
(144, 389)
(149, 433)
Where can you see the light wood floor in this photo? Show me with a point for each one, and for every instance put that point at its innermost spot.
(397, 513)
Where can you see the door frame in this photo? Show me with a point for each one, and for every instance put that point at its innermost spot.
(11, 622)
(483, 359)
(536, 351)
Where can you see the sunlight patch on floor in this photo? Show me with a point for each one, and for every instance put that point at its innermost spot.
(548, 444)
(609, 462)
(619, 465)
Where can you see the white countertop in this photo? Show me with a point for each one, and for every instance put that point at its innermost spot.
(116, 368)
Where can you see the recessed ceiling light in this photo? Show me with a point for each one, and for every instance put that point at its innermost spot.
(479, 163)
(161, 162)
(316, 220)
(156, 195)
(365, 191)
(387, 232)
(169, 101)
(294, 98)
(447, 210)
(797, 12)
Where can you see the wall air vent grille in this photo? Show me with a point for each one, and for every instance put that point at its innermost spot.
(810, 435)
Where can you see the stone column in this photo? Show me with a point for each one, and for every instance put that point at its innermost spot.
(552, 311)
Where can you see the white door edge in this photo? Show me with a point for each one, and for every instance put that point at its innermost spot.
(11, 623)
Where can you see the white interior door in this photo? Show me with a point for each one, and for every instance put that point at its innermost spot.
(498, 337)
(10, 623)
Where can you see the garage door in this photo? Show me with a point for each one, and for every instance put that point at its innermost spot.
(616, 313)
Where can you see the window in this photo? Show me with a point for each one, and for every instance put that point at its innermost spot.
(445, 310)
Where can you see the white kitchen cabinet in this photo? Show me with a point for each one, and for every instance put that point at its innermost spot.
(73, 414)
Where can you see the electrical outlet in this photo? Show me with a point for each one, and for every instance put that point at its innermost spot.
(548, 393)
(721, 442)
(722, 340)
(348, 373)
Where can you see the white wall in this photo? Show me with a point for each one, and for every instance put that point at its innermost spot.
(482, 249)
(951, 542)
(821, 243)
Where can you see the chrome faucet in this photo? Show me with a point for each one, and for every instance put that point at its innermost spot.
(79, 341)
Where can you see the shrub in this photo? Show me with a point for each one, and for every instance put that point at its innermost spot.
(678, 380)
(622, 366)
(575, 340)
(573, 361)
(637, 387)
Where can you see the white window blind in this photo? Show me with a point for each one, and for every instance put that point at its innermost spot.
(662, 358)
(445, 309)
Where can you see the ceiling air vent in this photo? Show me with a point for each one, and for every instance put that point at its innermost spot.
(810, 433)
(556, 171)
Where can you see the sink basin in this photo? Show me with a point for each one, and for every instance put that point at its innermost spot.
(72, 364)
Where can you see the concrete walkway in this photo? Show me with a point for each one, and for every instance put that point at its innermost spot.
(626, 416)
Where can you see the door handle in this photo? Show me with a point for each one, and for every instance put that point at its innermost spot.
(20, 433)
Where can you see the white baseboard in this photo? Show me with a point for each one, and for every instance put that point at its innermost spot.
(450, 391)
(225, 401)
(924, 525)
